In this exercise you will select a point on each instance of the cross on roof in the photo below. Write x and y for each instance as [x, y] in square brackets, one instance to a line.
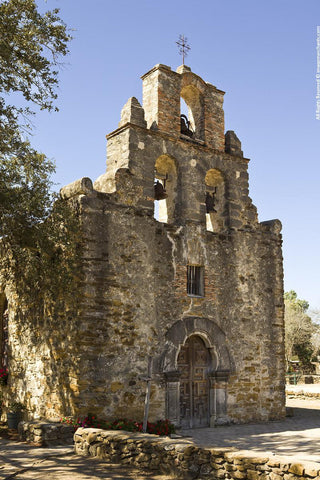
[183, 46]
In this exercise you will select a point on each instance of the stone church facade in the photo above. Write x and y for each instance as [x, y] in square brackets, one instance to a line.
[177, 269]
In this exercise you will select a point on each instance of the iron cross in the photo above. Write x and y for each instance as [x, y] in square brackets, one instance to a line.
[183, 46]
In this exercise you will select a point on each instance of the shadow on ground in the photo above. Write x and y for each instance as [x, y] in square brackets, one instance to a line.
[297, 436]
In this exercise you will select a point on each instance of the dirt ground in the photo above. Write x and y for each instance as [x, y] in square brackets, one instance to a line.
[297, 436]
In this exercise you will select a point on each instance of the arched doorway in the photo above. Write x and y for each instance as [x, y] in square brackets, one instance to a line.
[193, 364]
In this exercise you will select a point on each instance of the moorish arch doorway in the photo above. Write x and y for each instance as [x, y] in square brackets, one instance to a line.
[194, 364]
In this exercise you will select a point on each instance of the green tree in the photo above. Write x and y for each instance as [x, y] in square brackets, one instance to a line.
[34, 239]
[315, 317]
[31, 45]
[299, 330]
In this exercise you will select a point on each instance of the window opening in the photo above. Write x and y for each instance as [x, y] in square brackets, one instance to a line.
[192, 112]
[184, 110]
[185, 124]
[210, 199]
[165, 180]
[160, 187]
[160, 197]
[195, 283]
[215, 201]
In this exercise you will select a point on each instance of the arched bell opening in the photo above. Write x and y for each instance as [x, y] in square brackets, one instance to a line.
[165, 189]
[192, 112]
[215, 200]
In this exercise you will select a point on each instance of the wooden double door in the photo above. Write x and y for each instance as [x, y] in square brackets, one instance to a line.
[193, 363]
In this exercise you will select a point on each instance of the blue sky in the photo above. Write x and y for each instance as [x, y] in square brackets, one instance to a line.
[262, 54]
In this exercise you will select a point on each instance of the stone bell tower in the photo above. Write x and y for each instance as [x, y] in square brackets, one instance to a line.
[162, 90]
[176, 266]
[207, 275]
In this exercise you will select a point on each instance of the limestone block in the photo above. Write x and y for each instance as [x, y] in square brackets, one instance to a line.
[221, 473]
[205, 469]
[253, 475]
[132, 112]
[275, 476]
[290, 476]
[240, 475]
[311, 471]
[232, 144]
[296, 468]
[273, 226]
[83, 186]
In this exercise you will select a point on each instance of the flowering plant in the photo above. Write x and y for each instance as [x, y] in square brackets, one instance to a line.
[161, 427]
[3, 376]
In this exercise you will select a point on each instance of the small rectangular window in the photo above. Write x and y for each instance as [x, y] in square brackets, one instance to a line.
[195, 280]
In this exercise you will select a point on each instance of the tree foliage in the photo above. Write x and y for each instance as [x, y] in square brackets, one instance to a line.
[37, 248]
[31, 45]
[299, 330]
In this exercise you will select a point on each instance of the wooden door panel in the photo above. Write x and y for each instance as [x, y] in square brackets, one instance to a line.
[193, 362]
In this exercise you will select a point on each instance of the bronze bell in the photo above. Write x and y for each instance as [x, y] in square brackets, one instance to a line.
[210, 203]
[159, 191]
[185, 126]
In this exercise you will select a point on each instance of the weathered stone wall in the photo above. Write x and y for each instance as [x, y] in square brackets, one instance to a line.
[43, 365]
[133, 293]
[185, 460]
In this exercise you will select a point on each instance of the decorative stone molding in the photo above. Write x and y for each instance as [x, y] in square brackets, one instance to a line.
[83, 186]
[214, 339]
[211, 334]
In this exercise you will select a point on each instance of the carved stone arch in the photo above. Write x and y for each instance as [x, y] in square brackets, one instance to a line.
[218, 369]
[208, 330]
[190, 78]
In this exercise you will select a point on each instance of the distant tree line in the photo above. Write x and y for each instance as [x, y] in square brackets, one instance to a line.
[302, 333]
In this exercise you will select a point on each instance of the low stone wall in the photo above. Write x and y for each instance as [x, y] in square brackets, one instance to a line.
[46, 434]
[184, 460]
[303, 394]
